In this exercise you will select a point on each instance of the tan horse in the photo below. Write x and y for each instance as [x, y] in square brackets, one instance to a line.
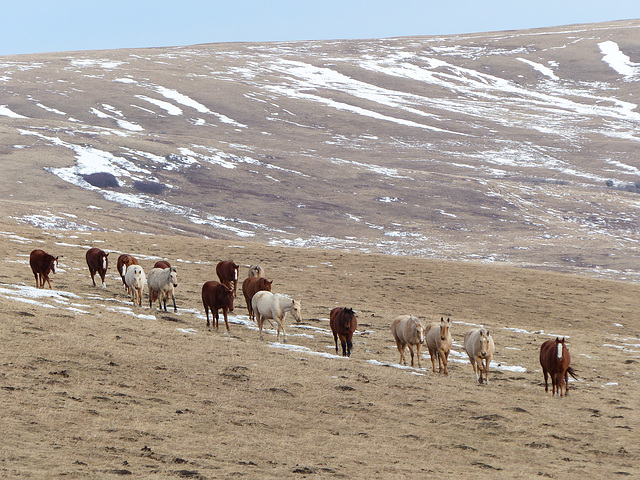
[408, 331]
[478, 343]
[439, 343]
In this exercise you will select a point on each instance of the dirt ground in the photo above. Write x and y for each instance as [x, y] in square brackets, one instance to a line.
[94, 388]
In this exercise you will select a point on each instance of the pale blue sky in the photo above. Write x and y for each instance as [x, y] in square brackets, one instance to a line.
[36, 26]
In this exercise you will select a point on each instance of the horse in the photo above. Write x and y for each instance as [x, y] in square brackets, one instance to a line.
[42, 264]
[478, 343]
[408, 331]
[267, 305]
[162, 264]
[255, 271]
[135, 280]
[227, 272]
[161, 283]
[556, 362]
[250, 286]
[343, 323]
[217, 296]
[98, 262]
[124, 261]
[439, 343]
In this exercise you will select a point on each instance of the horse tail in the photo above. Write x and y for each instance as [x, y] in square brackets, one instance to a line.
[572, 372]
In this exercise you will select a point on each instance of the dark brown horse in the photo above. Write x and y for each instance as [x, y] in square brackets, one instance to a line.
[556, 362]
[42, 264]
[216, 296]
[227, 272]
[250, 287]
[98, 262]
[343, 323]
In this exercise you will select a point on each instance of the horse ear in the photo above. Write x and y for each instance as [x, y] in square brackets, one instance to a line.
[106, 254]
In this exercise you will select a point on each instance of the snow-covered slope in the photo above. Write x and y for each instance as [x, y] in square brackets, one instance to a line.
[510, 146]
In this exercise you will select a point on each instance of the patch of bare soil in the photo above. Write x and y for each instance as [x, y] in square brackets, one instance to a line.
[92, 387]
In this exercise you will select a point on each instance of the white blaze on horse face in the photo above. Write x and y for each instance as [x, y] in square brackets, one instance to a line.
[104, 263]
[124, 269]
[559, 350]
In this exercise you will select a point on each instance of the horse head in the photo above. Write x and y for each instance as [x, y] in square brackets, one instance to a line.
[419, 329]
[560, 346]
[484, 343]
[296, 311]
[444, 328]
[53, 264]
[173, 275]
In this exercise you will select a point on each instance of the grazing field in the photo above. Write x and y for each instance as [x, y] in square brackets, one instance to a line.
[93, 387]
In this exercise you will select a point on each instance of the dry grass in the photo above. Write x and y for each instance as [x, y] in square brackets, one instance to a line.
[103, 394]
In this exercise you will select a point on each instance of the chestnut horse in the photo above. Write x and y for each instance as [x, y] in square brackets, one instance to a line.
[42, 264]
[98, 262]
[124, 262]
[343, 323]
[250, 287]
[556, 362]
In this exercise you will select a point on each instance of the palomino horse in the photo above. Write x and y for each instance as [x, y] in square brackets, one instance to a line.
[556, 362]
[478, 343]
[408, 331]
[439, 343]
[343, 323]
[267, 305]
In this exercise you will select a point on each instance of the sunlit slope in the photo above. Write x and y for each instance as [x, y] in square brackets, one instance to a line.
[511, 146]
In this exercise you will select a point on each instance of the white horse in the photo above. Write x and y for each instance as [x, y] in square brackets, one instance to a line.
[267, 305]
[135, 279]
[478, 344]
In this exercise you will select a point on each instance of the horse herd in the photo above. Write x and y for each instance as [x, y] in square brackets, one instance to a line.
[408, 331]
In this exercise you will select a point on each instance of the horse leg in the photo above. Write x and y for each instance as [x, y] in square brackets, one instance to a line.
[411, 352]
[419, 353]
[566, 382]
[432, 354]
[206, 311]
[260, 319]
[335, 339]
[400, 347]
[225, 310]
[280, 323]
[173, 297]
[444, 356]
[546, 383]
[473, 361]
[102, 275]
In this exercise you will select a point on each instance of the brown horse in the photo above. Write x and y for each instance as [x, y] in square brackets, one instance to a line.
[125, 261]
[98, 262]
[42, 264]
[250, 287]
[343, 323]
[227, 272]
[556, 362]
[216, 296]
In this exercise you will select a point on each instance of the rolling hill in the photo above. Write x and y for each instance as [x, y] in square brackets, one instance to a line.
[517, 147]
